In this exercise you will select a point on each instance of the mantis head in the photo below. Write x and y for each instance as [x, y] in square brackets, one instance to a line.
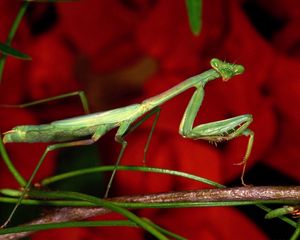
[225, 69]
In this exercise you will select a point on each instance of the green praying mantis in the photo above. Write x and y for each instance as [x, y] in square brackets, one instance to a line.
[87, 129]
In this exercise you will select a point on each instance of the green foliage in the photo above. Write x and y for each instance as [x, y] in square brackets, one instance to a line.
[194, 9]
[7, 50]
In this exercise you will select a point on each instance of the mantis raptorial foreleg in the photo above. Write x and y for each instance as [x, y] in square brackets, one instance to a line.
[217, 131]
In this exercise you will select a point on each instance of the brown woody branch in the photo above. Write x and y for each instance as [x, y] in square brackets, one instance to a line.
[263, 193]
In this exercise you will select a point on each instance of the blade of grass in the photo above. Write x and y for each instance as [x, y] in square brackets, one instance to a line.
[296, 234]
[19, 178]
[194, 9]
[163, 230]
[46, 226]
[63, 176]
[7, 50]
[12, 33]
[113, 207]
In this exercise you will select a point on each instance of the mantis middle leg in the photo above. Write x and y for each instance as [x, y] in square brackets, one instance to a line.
[126, 128]
[217, 131]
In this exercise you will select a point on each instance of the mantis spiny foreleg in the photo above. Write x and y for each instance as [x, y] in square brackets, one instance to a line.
[217, 131]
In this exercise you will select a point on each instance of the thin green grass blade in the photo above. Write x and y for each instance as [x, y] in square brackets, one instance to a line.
[113, 207]
[12, 33]
[53, 203]
[296, 234]
[194, 9]
[60, 177]
[163, 230]
[7, 50]
[10, 166]
[63, 176]
[105, 204]
[51, 195]
[59, 199]
[39, 227]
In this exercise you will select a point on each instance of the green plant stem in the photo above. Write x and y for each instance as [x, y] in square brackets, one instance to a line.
[296, 234]
[12, 33]
[80, 172]
[197, 198]
[146, 204]
[22, 231]
[200, 198]
[10, 166]
[113, 207]
[166, 232]
[37, 227]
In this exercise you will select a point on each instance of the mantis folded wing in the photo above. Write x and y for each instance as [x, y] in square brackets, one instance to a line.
[92, 127]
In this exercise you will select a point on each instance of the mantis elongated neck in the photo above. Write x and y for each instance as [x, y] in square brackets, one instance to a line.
[194, 81]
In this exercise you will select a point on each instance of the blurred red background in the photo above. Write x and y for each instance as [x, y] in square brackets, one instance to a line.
[123, 51]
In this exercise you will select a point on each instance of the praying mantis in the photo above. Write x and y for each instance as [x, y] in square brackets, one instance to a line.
[87, 129]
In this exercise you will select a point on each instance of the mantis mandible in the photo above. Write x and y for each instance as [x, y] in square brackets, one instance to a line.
[93, 126]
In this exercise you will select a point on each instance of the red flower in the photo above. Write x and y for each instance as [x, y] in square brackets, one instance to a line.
[111, 35]
[208, 223]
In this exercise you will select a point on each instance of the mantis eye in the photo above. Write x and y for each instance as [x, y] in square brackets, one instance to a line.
[238, 69]
[215, 63]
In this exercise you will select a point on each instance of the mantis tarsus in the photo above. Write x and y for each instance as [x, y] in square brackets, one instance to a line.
[93, 126]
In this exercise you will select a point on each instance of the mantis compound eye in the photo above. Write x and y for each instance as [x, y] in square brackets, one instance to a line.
[238, 69]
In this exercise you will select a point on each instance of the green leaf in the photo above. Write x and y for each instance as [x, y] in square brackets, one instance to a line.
[7, 50]
[194, 9]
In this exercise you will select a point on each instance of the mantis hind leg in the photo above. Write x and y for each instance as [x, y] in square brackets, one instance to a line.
[126, 128]
[81, 95]
[98, 134]
[19, 178]
[155, 111]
